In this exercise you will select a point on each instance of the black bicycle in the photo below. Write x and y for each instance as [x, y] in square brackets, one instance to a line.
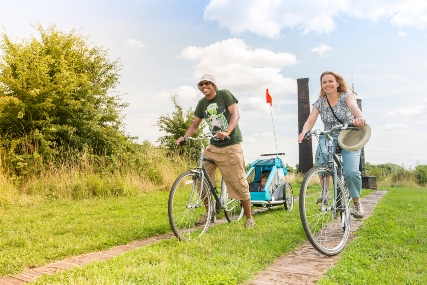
[324, 201]
[194, 202]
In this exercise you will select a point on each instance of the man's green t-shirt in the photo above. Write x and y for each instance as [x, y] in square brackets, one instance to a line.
[216, 114]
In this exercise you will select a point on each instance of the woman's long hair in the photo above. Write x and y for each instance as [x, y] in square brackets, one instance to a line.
[342, 85]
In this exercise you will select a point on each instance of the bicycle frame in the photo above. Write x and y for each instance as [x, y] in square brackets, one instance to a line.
[201, 170]
[334, 164]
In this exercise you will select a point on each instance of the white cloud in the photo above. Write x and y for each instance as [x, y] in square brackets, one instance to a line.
[393, 127]
[320, 49]
[401, 34]
[257, 104]
[268, 17]
[186, 94]
[242, 69]
[411, 13]
[134, 44]
[407, 112]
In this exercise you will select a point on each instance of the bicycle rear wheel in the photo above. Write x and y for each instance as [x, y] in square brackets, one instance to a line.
[189, 207]
[232, 208]
[326, 223]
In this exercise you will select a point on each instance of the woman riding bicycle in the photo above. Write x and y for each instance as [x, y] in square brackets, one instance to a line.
[336, 106]
[219, 109]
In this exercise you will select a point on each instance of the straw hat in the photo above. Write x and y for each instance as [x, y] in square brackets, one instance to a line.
[354, 139]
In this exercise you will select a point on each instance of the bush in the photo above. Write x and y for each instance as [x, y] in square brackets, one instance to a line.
[421, 174]
[401, 177]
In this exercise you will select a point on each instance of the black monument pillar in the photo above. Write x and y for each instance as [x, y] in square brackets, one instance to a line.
[362, 167]
[368, 182]
[305, 148]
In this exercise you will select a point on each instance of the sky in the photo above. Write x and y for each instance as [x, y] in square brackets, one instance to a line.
[165, 46]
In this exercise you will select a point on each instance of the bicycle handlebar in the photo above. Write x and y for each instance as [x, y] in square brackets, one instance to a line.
[185, 139]
[318, 132]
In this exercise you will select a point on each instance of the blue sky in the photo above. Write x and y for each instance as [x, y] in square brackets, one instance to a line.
[165, 46]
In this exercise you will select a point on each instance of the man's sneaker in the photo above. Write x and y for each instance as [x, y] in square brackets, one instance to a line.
[320, 199]
[204, 218]
[250, 223]
[357, 210]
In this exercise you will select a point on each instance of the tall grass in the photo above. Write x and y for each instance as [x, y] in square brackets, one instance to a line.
[29, 178]
[81, 175]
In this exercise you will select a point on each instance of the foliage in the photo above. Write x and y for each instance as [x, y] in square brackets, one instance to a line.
[290, 169]
[397, 176]
[421, 174]
[56, 92]
[83, 175]
[175, 125]
[383, 169]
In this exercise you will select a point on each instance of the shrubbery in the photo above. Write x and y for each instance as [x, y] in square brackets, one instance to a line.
[421, 174]
[396, 175]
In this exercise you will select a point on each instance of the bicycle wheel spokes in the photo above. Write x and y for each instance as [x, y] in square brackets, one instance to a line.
[327, 228]
[189, 207]
[232, 208]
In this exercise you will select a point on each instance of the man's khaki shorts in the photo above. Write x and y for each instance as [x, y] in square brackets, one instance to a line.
[231, 164]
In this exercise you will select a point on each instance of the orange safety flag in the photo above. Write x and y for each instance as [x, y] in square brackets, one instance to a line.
[268, 97]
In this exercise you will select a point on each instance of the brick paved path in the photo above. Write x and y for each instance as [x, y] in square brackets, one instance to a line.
[306, 265]
[302, 266]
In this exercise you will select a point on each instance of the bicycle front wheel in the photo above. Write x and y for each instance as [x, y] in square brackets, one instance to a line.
[326, 222]
[189, 207]
[232, 208]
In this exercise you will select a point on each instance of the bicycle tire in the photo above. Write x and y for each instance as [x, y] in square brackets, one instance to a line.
[186, 206]
[326, 226]
[233, 208]
[288, 195]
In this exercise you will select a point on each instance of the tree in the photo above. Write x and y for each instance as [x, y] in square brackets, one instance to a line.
[57, 90]
[175, 125]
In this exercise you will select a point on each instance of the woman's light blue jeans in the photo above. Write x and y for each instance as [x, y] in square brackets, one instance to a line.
[350, 161]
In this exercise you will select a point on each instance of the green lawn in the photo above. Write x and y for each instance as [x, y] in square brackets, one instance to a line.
[38, 235]
[390, 247]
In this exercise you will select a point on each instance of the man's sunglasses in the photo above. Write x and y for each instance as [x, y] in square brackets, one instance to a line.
[204, 83]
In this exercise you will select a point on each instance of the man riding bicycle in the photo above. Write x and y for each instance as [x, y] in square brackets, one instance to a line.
[219, 109]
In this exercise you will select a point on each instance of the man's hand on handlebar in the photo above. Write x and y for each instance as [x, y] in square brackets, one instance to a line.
[180, 141]
[222, 135]
[219, 135]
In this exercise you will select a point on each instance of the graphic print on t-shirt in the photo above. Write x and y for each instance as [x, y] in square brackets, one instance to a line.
[215, 118]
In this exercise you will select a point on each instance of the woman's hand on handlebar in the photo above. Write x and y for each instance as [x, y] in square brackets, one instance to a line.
[358, 122]
[301, 137]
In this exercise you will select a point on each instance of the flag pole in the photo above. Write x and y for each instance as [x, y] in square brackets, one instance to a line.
[270, 100]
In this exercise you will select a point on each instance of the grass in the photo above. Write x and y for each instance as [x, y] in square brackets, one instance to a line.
[32, 236]
[390, 247]
[227, 254]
